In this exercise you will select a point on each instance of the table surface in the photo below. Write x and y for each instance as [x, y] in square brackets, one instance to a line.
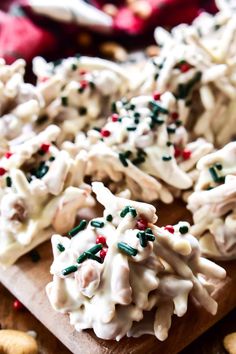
[209, 343]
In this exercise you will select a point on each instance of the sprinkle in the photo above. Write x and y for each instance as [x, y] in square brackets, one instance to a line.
[142, 238]
[103, 252]
[101, 239]
[2, 171]
[82, 225]
[82, 110]
[156, 96]
[95, 249]
[8, 181]
[171, 129]
[183, 230]
[186, 154]
[158, 109]
[73, 67]
[35, 256]
[125, 248]
[184, 67]
[131, 128]
[218, 166]
[159, 121]
[45, 147]
[137, 115]
[169, 143]
[178, 123]
[169, 228]
[60, 247]
[82, 258]
[114, 117]
[69, 270]
[128, 209]
[94, 257]
[166, 158]
[105, 133]
[92, 84]
[128, 154]
[138, 160]
[177, 152]
[136, 120]
[109, 217]
[132, 106]
[90, 253]
[97, 129]
[98, 224]
[184, 89]
[213, 174]
[51, 158]
[123, 160]
[174, 115]
[142, 224]
[8, 154]
[41, 172]
[113, 107]
[64, 101]
[17, 305]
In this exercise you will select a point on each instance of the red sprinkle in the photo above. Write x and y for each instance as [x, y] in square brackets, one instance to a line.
[84, 83]
[45, 147]
[82, 72]
[105, 133]
[184, 67]
[186, 154]
[17, 305]
[177, 152]
[2, 171]
[44, 79]
[174, 115]
[114, 117]
[142, 224]
[101, 239]
[8, 154]
[103, 253]
[169, 228]
[156, 96]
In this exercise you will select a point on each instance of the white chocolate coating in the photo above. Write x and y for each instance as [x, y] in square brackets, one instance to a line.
[44, 193]
[115, 297]
[213, 204]
[78, 92]
[197, 64]
[144, 133]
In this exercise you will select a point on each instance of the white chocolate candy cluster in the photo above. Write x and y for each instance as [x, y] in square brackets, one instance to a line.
[41, 191]
[144, 148]
[213, 204]
[78, 92]
[197, 64]
[122, 275]
[20, 102]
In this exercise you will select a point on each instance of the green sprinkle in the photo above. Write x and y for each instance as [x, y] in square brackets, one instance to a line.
[95, 223]
[8, 181]
[158, 109]
[169, 143]
[178, 123]
[138, 160]
[123, 160]
[60, 247]
[171, 129]
[64, 101]
[113, 107]
[141, 152]
[137, 114]
[213, 174]
[82, 110]
[109, 217]
[184, 89]
[221, 179]
[69, 270]
[128, 209]
[124, 212]
[42, 119]
[97, 129]
[42, 171]
[119, 120]
[128, 154]
[166, 158]
[183, 230]
[132, 106]
[81, 89]
[131, 128]
[92, 256]
[218, 166]
[216, 27]
[82, 225]
[74, 67]
[92, 84]
[52, 158]
[149, 230]
[125, 248]
[156, 76]
[159, 121]
[82, 258]
[142, 238]
[136, 120]
[95, 249]
[150, 237]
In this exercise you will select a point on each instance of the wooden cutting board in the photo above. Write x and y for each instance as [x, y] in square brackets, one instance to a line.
[27, 280]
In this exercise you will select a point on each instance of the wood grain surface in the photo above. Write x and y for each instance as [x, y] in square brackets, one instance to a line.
[27, 280]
